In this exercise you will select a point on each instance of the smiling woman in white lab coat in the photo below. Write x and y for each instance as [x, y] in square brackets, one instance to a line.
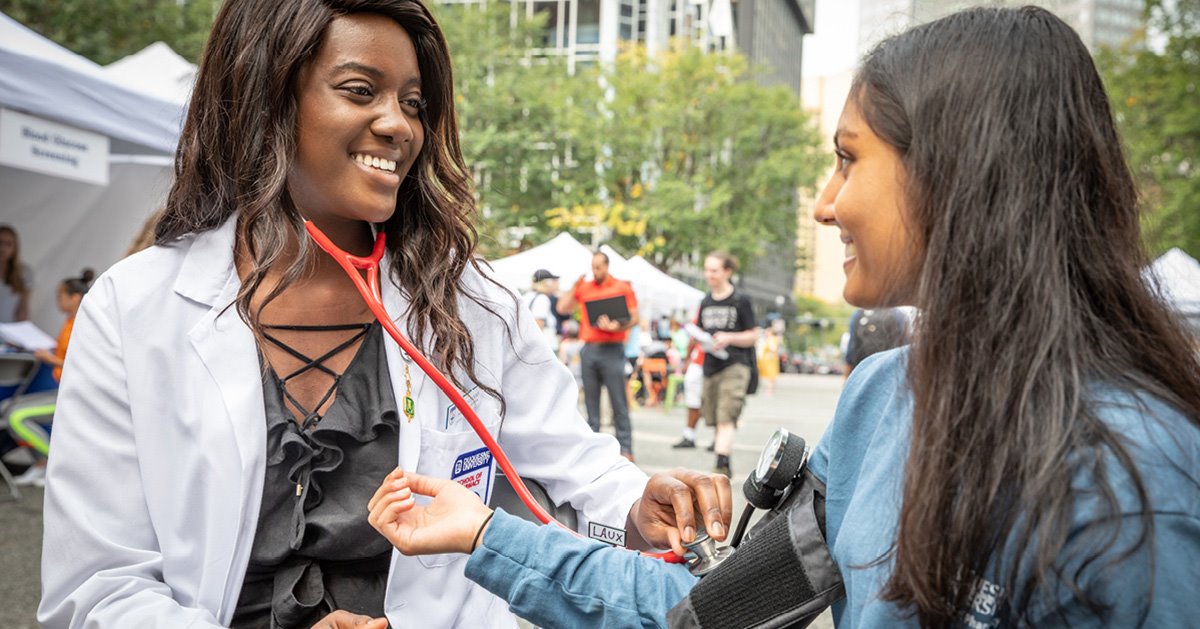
[229, 406]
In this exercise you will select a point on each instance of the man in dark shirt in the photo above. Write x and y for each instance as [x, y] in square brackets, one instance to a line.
[727, 316]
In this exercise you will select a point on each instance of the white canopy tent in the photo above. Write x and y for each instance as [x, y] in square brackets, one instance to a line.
[561, 255]
[156, 70]
[1178, 276]
[51, 97]
[658, 293]
[671, 295]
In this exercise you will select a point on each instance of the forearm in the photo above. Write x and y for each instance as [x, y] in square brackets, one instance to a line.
[745, 338]
[566, 303]
[51, 359]
[551, 578]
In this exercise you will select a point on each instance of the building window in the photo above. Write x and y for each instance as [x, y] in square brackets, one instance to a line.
[589, 22]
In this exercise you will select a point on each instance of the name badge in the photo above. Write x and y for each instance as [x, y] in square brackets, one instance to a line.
[451, 417]
[473, 470]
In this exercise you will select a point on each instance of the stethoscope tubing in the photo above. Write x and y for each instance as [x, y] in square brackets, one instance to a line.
[369, 289]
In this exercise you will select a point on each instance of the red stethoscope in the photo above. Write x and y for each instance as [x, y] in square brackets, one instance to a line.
[369, 289]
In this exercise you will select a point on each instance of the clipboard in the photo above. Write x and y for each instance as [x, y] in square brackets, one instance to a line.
[615, 307]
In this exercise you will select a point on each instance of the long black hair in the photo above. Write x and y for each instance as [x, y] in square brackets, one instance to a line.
[239, 141]
[1030, 291]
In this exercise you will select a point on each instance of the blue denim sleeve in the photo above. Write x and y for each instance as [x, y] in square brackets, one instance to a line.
[554, 579]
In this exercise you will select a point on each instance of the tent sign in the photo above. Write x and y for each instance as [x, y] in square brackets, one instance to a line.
[36, 144]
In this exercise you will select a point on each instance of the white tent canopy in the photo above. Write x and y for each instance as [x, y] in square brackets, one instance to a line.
[155, 70]
[657, 293]
[561, 255]
[671, 295]
[65, 224]
[1178, 277]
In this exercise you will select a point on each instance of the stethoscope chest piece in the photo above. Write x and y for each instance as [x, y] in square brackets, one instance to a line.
[703, 556]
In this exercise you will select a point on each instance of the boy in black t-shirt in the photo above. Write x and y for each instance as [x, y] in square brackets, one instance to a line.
[727, 316]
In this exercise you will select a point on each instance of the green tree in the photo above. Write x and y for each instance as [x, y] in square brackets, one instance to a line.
[818, 323]
[509, 104]
[107, 30]
[1155, 95]
[681, 152]
[666, 156]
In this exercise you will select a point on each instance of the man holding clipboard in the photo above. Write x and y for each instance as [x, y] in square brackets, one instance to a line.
[609, 309]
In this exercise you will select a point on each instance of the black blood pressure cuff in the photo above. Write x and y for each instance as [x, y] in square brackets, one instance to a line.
[780, 576]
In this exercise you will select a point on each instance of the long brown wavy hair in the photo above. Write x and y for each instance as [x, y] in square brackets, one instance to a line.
[239, 140]
[1031, 293]
[11, 274]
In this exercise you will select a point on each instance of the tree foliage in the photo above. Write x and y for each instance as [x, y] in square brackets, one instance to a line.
[107, 30]
[668, 156]
[1155, 93]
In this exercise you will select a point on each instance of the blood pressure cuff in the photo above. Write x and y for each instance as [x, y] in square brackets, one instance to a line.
[780, 576]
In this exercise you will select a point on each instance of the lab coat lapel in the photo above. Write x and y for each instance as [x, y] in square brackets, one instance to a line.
[226, 346]
[425, 397]
[228, 351]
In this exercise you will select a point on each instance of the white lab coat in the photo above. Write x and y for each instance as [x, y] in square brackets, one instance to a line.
[154, 489]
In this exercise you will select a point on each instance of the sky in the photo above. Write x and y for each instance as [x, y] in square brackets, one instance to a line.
[833, 45]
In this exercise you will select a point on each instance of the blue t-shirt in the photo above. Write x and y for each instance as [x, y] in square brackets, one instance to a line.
[861, 459]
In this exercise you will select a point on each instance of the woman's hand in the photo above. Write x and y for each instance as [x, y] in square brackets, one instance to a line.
[45, 356]
[345, 620]
[666, 514]
[446, 525]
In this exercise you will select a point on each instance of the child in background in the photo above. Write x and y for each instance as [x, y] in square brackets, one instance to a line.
[70, 295]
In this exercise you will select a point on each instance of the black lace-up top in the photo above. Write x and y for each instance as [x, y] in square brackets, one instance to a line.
[314, 551]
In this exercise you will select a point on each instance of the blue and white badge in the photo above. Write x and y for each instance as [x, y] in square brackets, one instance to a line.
[452, 415]
[473, 470]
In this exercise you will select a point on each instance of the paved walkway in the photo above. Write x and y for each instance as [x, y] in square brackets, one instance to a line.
[802, 404]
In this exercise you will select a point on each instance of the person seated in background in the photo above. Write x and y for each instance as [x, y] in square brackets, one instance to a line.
[69, 296]
[650, 373]
[16, 279]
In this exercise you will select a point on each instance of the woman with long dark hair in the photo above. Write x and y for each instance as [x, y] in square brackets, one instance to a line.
[1033, 458]
[1047, 415]
[229, 405]
[15, 278]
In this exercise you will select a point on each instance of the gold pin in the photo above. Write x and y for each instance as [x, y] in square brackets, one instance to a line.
[410, 407]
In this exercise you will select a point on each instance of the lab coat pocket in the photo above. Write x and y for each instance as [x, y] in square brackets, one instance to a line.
[459, 456]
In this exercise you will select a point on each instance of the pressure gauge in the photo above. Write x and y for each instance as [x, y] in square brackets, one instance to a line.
[781, 460]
